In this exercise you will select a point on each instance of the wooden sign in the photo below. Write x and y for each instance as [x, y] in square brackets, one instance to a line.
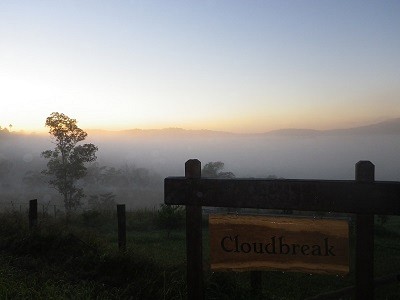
[243, 243]
[347, 196]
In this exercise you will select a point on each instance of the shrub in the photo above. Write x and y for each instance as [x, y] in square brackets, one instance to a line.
[170, 217]
[104, 203]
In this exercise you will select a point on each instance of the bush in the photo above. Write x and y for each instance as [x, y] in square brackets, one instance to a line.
[93, 218]
[170, 217]
[104, 203]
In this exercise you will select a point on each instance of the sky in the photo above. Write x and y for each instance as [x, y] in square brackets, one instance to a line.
[240, 66]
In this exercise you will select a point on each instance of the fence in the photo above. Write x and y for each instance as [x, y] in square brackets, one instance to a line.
[47, 209]
[23, 207]
[363, 197]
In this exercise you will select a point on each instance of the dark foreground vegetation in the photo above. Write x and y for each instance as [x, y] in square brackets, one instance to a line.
[78, 258]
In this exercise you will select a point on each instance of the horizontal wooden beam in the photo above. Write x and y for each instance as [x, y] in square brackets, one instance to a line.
[307, 195]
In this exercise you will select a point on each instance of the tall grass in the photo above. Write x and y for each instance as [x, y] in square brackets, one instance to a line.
[79, 259]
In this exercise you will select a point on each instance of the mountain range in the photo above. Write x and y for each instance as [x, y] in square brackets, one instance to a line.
[391, 126]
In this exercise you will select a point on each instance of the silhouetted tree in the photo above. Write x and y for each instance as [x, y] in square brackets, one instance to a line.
[4, 130]
[214, 170]
[66, 161]
[128, 175]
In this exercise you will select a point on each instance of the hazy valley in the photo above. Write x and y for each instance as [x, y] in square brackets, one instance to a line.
[132, 164]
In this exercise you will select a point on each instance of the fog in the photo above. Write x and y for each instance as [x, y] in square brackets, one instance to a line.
[318, 157]
[148, 158]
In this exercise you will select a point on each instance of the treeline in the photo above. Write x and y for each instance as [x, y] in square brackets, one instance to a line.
[127, 183]
[5, 130]
[21, 177]
[72, 176]
[127, 174]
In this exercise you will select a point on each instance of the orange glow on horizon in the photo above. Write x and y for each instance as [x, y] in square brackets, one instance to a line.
[236, 124]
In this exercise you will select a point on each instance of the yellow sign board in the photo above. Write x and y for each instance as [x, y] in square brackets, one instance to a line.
[243, 243]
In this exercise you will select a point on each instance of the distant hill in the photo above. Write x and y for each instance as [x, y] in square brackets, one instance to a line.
[165, 132]
[391, 126]
[294, 132]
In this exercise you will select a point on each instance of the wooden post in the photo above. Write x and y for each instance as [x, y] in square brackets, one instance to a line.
[194, 242]
[364, 260]
[33, 216]
[121, 227]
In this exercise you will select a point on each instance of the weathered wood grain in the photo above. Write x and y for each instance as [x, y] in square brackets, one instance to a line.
[194, 239]
[243, 243]
[305, 195]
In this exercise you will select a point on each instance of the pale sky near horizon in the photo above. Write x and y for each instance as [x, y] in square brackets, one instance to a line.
[241, 66]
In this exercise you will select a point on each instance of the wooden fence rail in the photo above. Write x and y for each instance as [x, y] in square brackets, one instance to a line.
[121, 218]
[363, 196]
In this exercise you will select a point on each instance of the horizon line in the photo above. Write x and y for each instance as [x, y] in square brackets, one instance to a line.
[172, 128]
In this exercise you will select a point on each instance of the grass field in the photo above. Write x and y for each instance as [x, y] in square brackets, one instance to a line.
[80, 260]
